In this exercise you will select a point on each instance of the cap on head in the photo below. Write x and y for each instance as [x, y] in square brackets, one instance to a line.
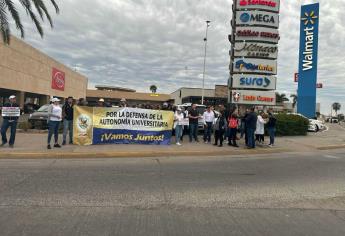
[12, 97]
[101, 100]
[179, 109]
[123, 100]
[165, 104]
[55, 100]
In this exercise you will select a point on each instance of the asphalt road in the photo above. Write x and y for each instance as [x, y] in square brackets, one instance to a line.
[280, 194]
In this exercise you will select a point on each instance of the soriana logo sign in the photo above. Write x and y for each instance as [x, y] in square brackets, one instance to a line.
[58, 79]
[270, 5]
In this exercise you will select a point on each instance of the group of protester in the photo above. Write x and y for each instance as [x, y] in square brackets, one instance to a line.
[226, 125]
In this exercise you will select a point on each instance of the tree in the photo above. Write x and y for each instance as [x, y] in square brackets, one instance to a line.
[7, 7]
[281, 98]
[336, 107]
[294, 100]
[153, 88]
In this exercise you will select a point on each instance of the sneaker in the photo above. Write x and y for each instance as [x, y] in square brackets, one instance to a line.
[49, 147]
[70, 142]
[178, 144]
[57, 145]
[236, 145]
[215, 144]
[220, 145]
[270, 145]
[64, 143]
[197, 140]
[206, 142]
[3, 144]
[11, 146]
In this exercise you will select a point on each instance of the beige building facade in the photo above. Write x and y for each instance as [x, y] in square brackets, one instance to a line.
[33, 76]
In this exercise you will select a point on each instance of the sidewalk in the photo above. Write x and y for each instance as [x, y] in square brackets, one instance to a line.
[33, 145]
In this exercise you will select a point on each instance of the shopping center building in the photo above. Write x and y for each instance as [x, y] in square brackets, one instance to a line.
[35, 77]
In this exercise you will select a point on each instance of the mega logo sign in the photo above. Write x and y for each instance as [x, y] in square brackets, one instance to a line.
[262, 82]
[261, 66]
[253, 97]
[271, 5]
[58, 79]
[309, 33]
[252, 49]
[257, 34]
[257, 18]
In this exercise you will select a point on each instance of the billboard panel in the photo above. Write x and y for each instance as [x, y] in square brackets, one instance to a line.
[308, 54]
[270, 5]
[259, 18]
[249, 65]
[252, 49]
[257, 34]
[252, 97]
[260, 82]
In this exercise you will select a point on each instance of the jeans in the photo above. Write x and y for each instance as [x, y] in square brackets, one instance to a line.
[251, 138]
[271, 133]
[5, 125]
[68, 127]
[178, 133]
[193, 131]
[232, 137]
[219, 135]
[208, 131]
[53, 129]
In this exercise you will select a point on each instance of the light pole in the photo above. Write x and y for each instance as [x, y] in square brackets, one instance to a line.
[203, 76]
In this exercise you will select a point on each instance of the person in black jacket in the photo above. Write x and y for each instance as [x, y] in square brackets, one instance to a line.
[9, 121]
[251, 120]
[67, 114]
[271, 127]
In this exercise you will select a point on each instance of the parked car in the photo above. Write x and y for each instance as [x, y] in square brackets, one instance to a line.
[315, 125]
[334, 120]
[39, 119]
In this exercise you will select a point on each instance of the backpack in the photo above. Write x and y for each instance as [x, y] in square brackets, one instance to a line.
[233, 123]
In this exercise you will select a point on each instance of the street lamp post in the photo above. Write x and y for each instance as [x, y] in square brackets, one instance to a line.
[203, 77]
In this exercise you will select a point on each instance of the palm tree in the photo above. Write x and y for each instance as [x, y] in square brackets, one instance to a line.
[336, 107]
[294, 100]
[153, 88]
[281, 98]
[7, 7]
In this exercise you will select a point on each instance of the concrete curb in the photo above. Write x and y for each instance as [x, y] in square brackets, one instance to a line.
[81, 155]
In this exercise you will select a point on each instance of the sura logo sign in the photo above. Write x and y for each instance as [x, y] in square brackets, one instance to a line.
[260, 82]
[259, 18]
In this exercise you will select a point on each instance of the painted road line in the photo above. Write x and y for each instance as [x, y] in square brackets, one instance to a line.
[331, 157]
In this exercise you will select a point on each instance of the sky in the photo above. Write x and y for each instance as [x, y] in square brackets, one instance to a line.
[137, 43]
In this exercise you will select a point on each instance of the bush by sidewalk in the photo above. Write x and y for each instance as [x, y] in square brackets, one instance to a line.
[291, 125]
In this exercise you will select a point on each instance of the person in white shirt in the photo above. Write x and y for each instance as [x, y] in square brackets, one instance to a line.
[209, 118]
[260, 128]
[54, 120]
[178, 125]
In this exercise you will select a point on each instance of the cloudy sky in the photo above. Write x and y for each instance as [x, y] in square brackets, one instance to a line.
[137, 43]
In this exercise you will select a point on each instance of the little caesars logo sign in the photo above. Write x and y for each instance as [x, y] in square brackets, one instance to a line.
[256, 50]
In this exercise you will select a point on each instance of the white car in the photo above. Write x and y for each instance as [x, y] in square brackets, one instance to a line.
[315, 125]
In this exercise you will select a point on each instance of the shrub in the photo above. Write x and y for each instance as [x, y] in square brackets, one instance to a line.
[24, 126]
[291, 125]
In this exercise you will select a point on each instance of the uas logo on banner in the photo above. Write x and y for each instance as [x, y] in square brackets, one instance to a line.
[308, 55]
[100, 125]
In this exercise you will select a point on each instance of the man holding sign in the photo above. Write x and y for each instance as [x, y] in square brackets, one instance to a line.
[10, 115]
